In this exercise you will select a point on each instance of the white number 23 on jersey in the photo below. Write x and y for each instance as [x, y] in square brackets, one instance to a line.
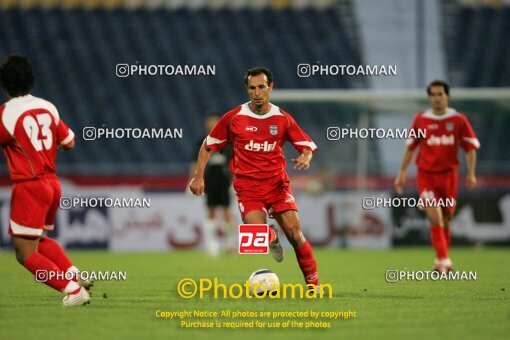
[42, 125]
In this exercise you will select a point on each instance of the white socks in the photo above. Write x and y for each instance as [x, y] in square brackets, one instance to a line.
[211, 242]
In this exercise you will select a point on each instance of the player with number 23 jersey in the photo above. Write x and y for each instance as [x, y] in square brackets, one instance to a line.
[30, 131]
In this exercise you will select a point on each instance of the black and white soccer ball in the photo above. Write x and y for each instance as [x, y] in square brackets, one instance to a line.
[264, 280]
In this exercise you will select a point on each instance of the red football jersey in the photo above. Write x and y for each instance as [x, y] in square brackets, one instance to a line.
[443, 136]
[258, 140]
[30, 130]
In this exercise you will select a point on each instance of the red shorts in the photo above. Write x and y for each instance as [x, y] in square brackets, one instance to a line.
[33, 205]
[271, 195]
[441, 186]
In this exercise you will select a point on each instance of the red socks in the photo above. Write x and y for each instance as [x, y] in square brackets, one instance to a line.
[304, 255]
[272, 235]
[47, 272]
[439, 242]
[54, 252]
[50, 264]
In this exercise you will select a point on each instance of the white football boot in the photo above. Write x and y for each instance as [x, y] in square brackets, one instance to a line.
[275, 247]
[82, 281]
[443, 266]
[85, 283]
[77, 299]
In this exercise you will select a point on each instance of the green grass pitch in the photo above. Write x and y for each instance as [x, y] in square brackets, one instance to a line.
[417, 309]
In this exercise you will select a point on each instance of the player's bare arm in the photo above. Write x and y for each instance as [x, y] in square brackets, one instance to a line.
[192, 169]
[401, 176]
[471, 181]
[67, 147]
[303, 161]
[197, 184]
[191, 174]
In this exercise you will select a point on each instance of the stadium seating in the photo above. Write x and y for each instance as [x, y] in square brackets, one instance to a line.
[478, 55]
[478, 52]
[75, 51]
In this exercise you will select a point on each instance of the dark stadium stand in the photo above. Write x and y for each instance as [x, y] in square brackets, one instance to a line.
[74, 52]
[478, 55]
[476, 42]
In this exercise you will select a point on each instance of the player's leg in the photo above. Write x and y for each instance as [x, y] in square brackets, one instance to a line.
[251, 202]
[449, 192]
[228, 229]
[211, 243]
[43, 268]
[224, 205]
[280, 199]
[435, 217]
[30, 203]
[255, 217]
[49, 247]
[447, 219]
[427, 184]
[260, 217]
[52, 250]
[289, 222]
[24, 246]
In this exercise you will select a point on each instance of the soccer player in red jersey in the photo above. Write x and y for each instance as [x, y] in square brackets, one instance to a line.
[31, 131]
[437, 163]
[258, 130]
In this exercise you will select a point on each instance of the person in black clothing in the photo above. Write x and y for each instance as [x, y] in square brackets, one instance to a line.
[218, 179]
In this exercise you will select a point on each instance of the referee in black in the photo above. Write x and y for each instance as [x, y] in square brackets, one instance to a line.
[218, 179]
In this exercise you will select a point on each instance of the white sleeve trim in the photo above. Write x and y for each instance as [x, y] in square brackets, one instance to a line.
[211, 140]
[473, 141]
[69, 138]
[311, 145]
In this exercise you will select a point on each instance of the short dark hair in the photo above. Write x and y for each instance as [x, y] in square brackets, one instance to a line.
[16, 76]
[442, 83]
[256, 71]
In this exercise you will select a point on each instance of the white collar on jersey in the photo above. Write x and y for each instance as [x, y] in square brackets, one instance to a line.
[448, 114]
[25, 97]
[273, 111]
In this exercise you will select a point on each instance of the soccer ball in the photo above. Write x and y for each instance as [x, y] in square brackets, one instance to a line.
[264, 280]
